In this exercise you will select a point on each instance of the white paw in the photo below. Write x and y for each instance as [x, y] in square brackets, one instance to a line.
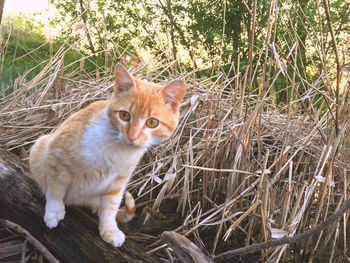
[115, 237]
[52, 217]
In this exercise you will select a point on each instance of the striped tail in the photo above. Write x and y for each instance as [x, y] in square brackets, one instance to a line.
[127, 213]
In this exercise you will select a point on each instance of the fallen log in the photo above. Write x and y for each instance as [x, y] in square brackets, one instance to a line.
[76, 239]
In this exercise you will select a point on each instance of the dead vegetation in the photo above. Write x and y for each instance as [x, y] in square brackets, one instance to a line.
[239, 170]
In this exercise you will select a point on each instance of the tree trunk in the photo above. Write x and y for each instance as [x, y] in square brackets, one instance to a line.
[2, 3]
[172, 35]
[84, 18]
[76, 239]
[236, 30]
[181, 34]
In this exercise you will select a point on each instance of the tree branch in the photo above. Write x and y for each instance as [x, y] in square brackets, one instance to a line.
[285, 240]
[32, 240]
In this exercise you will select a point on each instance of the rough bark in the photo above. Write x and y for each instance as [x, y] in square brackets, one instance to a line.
[76, 239]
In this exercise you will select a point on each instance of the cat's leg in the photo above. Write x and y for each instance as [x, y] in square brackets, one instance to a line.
[57, 185]
[94, 204]
[110, 203]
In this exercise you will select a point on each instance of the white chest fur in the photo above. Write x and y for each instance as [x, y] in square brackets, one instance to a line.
[105, 157]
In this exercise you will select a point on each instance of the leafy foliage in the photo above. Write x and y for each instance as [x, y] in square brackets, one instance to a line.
[266, 36]
[207, 29]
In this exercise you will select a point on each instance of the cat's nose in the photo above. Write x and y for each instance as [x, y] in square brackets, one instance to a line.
[133, 135]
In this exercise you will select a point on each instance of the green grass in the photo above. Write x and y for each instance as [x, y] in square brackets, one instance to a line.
[26, 50]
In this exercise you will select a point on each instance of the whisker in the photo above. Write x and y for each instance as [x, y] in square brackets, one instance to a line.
[105, 148]
[114, 131]
[105, 139]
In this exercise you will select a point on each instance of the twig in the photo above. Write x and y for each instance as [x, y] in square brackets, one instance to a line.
[32, 240]
[285, 240]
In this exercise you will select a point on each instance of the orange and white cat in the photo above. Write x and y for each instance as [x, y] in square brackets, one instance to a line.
[89, 159]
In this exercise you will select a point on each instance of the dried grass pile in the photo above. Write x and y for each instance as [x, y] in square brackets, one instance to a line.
[239, 169]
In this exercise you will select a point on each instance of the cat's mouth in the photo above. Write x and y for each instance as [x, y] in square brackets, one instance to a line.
[136, 144]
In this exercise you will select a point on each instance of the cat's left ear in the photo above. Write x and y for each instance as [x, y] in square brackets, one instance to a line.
[174, 92]
[124, 81]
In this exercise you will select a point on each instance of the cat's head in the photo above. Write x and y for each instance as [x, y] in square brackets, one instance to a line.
[144, 113]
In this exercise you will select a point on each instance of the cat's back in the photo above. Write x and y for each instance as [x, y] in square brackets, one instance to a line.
[64, 142]
[71, 130]
[80, 119]
[62, 150]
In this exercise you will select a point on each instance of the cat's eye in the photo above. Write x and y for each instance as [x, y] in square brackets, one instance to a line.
[152, 123]
[124, 115]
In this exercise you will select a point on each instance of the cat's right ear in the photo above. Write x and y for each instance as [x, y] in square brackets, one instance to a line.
[124, 81]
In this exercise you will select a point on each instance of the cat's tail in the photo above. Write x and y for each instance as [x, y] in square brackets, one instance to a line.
[127, 213]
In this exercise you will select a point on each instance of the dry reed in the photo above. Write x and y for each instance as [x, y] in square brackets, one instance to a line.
[239, 169]
[232, 175]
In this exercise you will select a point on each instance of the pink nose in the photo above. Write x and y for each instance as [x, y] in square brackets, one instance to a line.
[133, 135]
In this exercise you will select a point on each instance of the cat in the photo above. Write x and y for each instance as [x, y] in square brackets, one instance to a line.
[89, 159]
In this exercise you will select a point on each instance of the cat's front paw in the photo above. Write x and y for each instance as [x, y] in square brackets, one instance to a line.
[115, 237]
[53, 216]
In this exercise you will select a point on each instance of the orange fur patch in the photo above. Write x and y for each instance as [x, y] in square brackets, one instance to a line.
[131, 210]
[120, 179]
[113, 191]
